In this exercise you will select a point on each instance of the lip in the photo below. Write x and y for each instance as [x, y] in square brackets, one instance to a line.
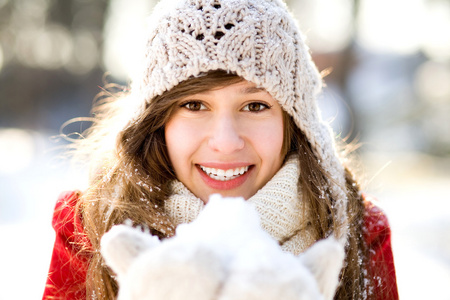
[224, 165]
[224, 185]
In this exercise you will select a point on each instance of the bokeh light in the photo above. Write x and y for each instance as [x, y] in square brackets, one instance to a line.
[48, 48]
[85, 54]
[124, 33]
[327, 24]
[436, 31]
[432, 82]
[17, 150]
[391, 25]
[29, 13]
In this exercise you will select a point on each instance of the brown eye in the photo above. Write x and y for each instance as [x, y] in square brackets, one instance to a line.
[255, 107]
[193, 105]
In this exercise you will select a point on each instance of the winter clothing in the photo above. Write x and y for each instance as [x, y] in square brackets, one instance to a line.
[213, 257]
[69, 264]
[279, 204]
[67, 275]
[255, 39]
[259, 41]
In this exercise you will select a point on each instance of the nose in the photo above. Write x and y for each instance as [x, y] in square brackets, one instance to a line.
[225, 136]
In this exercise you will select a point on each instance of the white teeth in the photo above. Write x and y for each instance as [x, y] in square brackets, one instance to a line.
[224, 175]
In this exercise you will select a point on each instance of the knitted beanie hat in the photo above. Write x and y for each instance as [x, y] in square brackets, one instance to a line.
[255, 39]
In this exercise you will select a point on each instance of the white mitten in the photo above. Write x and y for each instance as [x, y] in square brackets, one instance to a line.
[222, 255]
[170, 271]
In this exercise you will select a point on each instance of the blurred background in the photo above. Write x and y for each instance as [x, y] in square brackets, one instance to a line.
[388, 87]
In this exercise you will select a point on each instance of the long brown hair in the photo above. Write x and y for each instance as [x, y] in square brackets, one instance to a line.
[130, 181]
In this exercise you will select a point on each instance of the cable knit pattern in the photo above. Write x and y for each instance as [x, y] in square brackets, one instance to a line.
[256, 39]
[182, 206]
[279, 204]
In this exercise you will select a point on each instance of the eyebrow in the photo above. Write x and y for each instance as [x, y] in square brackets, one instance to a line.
[252, 90]
[244, 90]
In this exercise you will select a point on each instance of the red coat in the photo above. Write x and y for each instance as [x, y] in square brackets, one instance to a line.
[67, 274]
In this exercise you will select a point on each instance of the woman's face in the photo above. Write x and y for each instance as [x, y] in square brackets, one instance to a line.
[227, 140]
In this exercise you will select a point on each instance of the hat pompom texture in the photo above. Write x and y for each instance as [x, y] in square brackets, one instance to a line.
[258, 40]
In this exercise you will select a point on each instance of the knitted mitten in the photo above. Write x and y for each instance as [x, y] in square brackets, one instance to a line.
[223, 255]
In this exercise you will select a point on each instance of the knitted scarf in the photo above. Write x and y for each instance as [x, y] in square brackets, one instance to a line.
[279, 203]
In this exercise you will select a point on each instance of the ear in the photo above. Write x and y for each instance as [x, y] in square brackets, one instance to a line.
[122, 244]
[324, 260]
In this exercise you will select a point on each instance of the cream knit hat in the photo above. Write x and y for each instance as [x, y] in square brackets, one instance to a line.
[256, 39]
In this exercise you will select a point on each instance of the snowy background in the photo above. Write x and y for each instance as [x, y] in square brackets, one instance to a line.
[389, 87]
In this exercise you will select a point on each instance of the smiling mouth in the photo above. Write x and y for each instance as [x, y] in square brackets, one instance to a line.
[224, 175]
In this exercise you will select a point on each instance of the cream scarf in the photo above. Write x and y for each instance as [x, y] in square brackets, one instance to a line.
[279, 203]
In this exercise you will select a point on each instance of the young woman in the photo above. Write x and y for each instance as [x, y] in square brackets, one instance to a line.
[225, 103]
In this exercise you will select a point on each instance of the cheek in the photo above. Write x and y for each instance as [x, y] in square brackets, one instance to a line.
[183, 140]
[178, 142]
[267, 138]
